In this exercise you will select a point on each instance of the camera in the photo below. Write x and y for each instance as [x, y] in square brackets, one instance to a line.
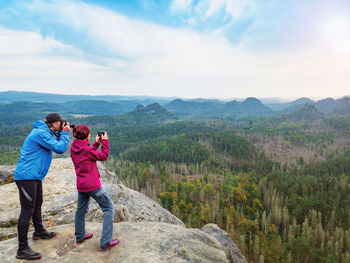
[100, 133]
[63, 124]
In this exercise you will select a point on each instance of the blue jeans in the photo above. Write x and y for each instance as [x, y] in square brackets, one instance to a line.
[107, 206]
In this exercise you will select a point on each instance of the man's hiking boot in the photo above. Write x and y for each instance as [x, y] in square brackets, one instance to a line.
[87, 236]
[113, 243]
[28, 254]
[43, 235]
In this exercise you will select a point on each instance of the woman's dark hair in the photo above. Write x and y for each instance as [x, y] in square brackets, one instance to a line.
[81, 132]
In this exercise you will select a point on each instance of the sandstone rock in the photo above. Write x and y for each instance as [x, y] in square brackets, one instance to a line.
[8, 232]
[148, 232]
[231, 250]
[122, 213]
[142, 208]
[6, 171]
[60, 197]
[145, 242]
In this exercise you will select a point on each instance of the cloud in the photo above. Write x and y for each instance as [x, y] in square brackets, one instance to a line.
[137, 57]
[181, 6]
[236, 8]
[28, 54]
[24, 42]
[108, 32]
[203, 10]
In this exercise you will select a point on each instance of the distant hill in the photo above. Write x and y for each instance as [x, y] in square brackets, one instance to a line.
[194, 108]
[25, 112]
[153, 109]
[15, 96]
[150, 114]
[206, 100]
[289, 106]
[308, 113]
[100, 107]
[272, 100]
[217, 109]
[327, 105]
[26, 107]
[331, 106]
[342, 106]
[153, 113]
[248, 106]
[32, 104]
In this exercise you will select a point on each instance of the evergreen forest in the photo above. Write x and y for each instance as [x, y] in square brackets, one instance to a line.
[279, 184]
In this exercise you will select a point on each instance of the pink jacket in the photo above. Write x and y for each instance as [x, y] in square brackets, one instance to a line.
[84, 158]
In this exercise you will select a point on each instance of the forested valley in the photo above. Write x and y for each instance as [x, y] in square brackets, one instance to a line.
[279, 185]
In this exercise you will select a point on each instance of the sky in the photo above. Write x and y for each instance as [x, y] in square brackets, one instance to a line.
[177, 48]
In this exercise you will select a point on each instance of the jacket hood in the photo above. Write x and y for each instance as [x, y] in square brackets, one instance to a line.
[40, 124]
[78, 145]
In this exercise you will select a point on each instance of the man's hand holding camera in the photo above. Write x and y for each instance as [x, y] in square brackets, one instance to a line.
[66, 127]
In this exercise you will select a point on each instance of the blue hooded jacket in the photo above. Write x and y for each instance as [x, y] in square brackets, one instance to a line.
[36, 153]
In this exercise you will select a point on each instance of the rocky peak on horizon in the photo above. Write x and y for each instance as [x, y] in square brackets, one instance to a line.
[252, 100]
[149, 109]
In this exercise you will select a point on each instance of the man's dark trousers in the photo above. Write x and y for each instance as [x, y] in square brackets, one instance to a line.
[31, 198]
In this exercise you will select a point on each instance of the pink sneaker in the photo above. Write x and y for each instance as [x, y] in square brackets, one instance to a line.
[87, 236]
[113, 243]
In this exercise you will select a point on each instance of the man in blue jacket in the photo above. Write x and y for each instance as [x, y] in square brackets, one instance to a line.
[50, 135]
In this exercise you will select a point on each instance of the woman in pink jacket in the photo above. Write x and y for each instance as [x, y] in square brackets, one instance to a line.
[84, 158]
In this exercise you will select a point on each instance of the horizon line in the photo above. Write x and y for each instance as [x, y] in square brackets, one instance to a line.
[285, 99]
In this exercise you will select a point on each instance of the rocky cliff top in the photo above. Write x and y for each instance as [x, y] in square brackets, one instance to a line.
[147, 232]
